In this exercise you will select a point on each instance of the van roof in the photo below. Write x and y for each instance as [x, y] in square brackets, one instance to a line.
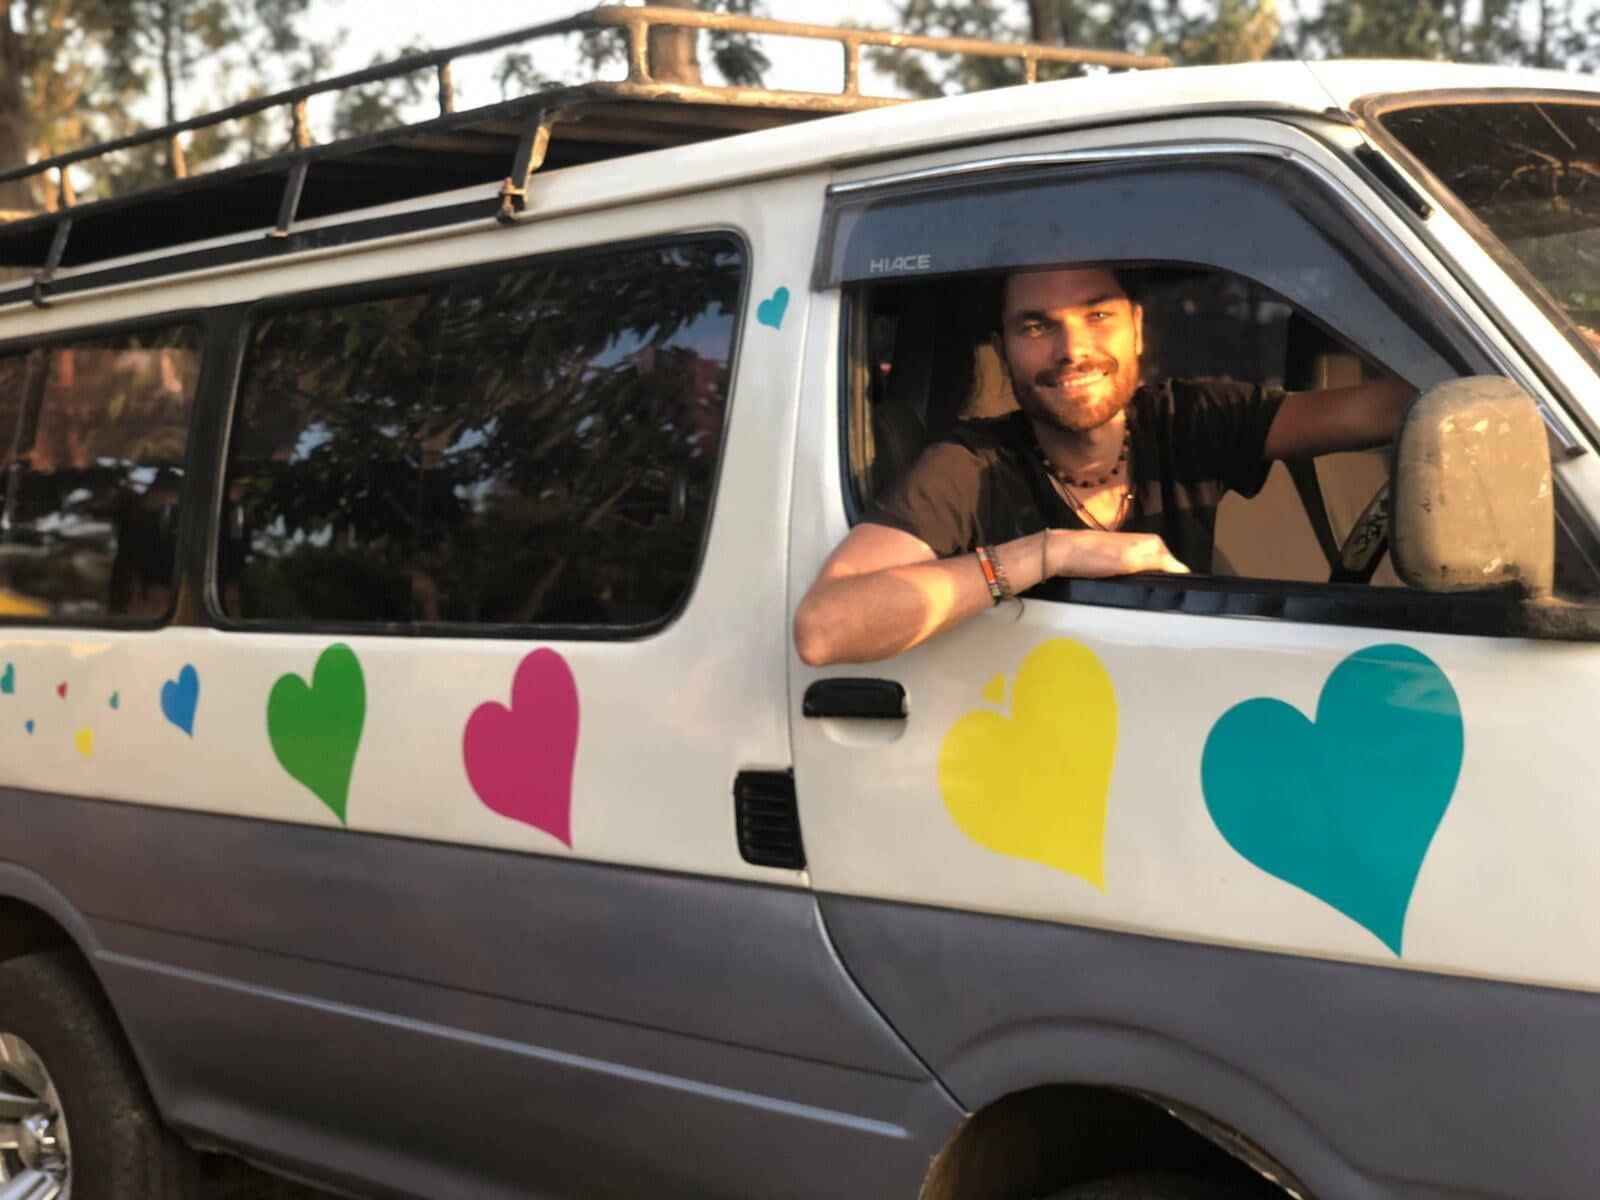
[164, 232]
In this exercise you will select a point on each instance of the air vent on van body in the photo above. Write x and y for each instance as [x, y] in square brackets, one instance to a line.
[767, 819]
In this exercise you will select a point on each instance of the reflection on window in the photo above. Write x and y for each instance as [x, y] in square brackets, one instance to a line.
[531, 447]
[93, 436]
[1531, 173]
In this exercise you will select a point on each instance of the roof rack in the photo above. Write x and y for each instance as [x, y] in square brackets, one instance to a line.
[559, 126]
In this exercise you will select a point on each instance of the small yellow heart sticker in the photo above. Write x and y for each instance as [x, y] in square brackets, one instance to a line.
[84, 741]
[1035, 785]
[995, 690]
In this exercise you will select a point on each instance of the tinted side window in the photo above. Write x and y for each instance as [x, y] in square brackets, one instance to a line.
[93, 435]
[322, 497]
[531, 447]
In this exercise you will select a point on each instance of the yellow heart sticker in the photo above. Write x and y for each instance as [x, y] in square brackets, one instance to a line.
[1035, 785]
[84, 741]
[995, 690]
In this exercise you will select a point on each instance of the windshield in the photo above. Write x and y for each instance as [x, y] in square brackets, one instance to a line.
[1530, 171]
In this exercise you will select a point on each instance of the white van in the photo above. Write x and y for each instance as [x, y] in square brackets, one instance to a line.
[410, 782]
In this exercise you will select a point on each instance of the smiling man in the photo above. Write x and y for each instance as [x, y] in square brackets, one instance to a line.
[1093, 476]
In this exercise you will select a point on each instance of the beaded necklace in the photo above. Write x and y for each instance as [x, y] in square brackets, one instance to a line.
[1064, 483]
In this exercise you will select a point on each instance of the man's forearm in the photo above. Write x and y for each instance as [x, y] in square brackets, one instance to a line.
[1332, 419]
[862, 618]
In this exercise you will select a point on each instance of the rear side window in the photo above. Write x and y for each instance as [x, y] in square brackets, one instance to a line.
[93, 434]
[534, 446]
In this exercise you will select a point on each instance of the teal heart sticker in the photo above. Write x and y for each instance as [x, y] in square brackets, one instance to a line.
[770, 311]
[1343, 808]
[315, 729]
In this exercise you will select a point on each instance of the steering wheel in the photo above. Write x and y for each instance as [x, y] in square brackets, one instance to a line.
[1365, 545]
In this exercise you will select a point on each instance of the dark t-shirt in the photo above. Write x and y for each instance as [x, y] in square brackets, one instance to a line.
[1189, 443]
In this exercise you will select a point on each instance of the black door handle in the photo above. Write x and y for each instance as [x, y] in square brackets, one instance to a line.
[862, 699]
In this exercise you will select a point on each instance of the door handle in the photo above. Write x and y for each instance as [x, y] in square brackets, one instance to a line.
[860, 699]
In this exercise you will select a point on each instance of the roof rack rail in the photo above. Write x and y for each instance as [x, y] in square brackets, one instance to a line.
[455, 149]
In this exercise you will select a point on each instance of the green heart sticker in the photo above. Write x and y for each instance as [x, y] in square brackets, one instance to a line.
[316, 729]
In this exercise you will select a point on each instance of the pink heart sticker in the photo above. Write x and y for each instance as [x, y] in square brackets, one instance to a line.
[519, 759]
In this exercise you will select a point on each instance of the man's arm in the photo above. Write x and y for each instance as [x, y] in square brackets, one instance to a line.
[884, 591]
[1346, 418]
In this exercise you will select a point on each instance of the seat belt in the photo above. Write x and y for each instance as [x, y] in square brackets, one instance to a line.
[1303, 471]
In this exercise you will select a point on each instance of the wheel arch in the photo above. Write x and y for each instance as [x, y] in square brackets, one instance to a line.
[1102, 1080]
[36, 916]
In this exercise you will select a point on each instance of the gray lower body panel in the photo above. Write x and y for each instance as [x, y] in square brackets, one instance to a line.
[1363, 1081]
[435, 1020]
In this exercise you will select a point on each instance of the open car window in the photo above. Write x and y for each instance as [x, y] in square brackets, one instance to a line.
[1248, 270]
[929, 362]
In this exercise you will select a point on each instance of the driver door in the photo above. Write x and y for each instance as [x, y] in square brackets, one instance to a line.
[1280, 769]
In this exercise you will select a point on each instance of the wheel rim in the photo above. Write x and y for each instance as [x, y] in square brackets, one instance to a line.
[34, 1149]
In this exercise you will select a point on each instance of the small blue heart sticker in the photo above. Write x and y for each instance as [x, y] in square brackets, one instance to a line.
[1344, 808]
[8, 681]
[28, 725]
[116, 699]
[770, 311]
[180, 697]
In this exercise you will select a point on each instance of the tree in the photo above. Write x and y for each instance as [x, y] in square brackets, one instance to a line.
[1239, 30]
[674, 53]
[14, 127]
[1551, 33]
[1545, 33]
[1242, 31]
[76, 71]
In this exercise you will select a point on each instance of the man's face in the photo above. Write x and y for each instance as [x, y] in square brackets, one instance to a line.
[1071, 339]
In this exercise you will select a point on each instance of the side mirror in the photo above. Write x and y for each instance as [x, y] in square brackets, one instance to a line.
[1473, 505]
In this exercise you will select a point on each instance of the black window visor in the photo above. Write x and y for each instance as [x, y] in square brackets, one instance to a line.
[1255, 217]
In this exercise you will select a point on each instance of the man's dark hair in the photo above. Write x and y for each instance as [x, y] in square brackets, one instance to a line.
[994, 303]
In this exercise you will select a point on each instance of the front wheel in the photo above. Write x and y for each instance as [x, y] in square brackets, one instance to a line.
[76, 1122]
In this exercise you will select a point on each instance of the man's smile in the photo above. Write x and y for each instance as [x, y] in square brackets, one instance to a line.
[1075, 381]
[1078, 381]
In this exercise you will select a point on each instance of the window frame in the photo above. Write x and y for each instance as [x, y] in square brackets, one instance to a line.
[1498, 613]
[246, 317]
[196, 469]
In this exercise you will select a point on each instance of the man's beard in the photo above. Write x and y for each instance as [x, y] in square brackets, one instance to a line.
[1043, 399]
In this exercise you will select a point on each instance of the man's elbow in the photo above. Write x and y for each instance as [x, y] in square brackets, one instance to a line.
[812, 640]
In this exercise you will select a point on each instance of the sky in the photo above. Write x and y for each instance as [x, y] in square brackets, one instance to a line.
[377, 26]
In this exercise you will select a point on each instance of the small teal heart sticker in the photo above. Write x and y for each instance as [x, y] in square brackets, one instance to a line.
[1346, 807]
[770, 311]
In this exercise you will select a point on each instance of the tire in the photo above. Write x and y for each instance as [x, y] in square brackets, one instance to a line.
[114, 1146]
[1158, 1186]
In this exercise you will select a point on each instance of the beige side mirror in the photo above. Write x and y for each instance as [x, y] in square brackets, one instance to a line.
[1473, 505]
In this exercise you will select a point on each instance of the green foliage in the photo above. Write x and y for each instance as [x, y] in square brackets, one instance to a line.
[91, 69]
[384, 104]
[738, 58]
[1556, 33]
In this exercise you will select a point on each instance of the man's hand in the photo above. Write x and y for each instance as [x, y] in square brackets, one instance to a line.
[1092, 554]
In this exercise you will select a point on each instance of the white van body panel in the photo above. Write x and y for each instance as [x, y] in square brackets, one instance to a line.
[666, 720]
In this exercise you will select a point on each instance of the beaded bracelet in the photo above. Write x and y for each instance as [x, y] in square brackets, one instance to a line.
[991, 577]
[1006, 590]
